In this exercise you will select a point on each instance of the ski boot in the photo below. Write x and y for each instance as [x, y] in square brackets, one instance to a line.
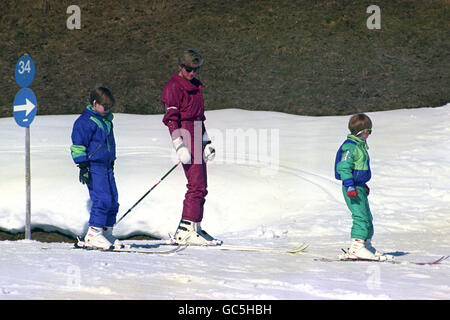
[358, 250]
[368, 245]
[94, 239]
[191, 233]
[117, 244]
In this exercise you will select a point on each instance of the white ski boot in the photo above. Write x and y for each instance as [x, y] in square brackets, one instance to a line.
[368, 245]
[107, 233]
[95, 239]
[358, 250]
[191, 233]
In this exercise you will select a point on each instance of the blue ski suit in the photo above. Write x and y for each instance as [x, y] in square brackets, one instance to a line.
[93, 142]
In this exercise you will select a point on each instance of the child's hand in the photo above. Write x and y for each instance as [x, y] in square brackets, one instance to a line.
[352, 192]
[85, 174]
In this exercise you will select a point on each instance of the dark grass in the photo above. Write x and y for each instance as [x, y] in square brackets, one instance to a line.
[41, 235]
[302, 57]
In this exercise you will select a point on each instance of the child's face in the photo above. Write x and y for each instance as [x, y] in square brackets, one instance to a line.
[102, 110]
[365, 134]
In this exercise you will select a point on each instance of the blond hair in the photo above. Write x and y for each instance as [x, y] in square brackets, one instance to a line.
[190, 58]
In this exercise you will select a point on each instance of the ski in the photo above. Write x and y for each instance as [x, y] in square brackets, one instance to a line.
[129, 249]
[225, 247]
[136, 250]
[298, 249]
[433, 262]
[148, 251]
[177, 248]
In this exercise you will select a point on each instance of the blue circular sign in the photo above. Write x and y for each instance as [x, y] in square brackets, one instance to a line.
[25, 107]
[25, 71]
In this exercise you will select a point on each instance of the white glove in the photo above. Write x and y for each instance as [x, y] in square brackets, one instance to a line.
[209, 153]
[182, 151]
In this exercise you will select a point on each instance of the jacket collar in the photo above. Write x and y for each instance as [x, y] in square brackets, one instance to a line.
[187, 85]
[358, 141]
[109, 116]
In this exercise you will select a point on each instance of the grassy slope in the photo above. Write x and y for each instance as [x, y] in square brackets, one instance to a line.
[302, 57]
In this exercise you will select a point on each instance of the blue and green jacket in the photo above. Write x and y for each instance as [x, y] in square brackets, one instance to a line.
[353, 163]
[93, 138]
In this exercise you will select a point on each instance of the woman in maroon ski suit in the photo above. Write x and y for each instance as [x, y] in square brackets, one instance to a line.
[183, 102]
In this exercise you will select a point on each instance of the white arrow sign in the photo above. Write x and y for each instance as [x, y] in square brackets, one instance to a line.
[25, 100]
[28, 107]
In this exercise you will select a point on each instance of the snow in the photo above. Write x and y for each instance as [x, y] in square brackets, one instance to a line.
[271, 185]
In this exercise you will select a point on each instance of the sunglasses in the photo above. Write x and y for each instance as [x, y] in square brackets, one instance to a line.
[369, 131]
[190, 69]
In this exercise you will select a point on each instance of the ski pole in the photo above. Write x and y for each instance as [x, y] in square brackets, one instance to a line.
[150, 190]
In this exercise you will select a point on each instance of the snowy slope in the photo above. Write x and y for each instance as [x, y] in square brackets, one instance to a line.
[271, 184]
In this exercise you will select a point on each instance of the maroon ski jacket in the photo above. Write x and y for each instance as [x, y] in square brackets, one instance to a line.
[183, 101]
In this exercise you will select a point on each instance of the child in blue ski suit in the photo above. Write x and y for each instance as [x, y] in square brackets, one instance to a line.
[94, 151]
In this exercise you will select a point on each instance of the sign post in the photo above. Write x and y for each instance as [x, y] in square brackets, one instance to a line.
[27, 184]
[24, 110]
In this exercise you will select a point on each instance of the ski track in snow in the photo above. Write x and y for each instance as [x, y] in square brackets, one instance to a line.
[298, 202]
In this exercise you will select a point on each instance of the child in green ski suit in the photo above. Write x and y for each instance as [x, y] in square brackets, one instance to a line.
[352, 166]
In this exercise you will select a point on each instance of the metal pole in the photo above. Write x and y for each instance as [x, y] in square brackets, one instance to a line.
[28, 184]
[129, 210]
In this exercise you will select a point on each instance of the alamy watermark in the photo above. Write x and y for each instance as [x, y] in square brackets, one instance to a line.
[374, 20]
[258, 147]
[73, 277]
[249, 146]
[74, 20]
[373, 281]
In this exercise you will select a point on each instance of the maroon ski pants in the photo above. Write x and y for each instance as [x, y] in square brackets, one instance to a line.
[196, 191]
[192, 132]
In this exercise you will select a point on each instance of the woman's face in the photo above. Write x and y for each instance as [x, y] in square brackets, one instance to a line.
[187, 73]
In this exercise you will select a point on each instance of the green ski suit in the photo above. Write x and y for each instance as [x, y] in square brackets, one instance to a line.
[354, 170]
